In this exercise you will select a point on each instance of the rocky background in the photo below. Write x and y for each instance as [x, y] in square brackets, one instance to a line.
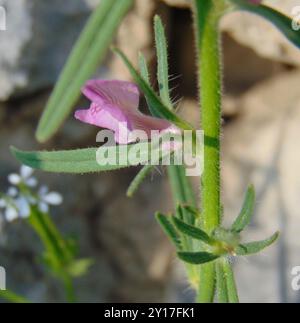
[133, 260]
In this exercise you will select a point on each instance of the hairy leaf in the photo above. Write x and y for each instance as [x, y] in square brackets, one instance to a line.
[246, 213]
[169, 229]
[197, 258]
[247, 249]
[82, 160]
[192, 231]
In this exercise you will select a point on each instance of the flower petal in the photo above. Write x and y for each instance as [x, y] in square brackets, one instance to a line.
[31, 182]
[12, 192]
[26, 171]
[23, 206]
[108, 117]
[53, 198]
[119, 93]
[147, 123]
[14, 179]
[11, 214]
[43, 207]
[43, 191]
[115, 107]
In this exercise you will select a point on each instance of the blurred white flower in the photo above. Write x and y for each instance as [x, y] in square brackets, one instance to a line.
[18, 200]
[25, 177]
[47, 198]
[15, 208]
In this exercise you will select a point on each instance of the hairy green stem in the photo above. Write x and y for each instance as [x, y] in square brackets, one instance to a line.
[207, 15]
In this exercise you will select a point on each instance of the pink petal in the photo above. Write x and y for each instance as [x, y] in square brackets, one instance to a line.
[120, 93]
[108, 117]
[115, 107]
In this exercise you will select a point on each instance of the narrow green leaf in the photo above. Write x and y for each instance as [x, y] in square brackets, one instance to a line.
[13, 297]
[87, 55]
[82, 160]
[197, 258]
[140, 177]
[246, 213]
[179, 213]
[221, 285]
[160, 109]
[169, 229]
[142, 174]
[233, 297]
[281, 21]
[192, 231]
[181, 187]
[247, 249]
[162, 62]
[192, 210]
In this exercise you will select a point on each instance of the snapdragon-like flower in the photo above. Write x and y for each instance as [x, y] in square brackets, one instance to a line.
[115, 105]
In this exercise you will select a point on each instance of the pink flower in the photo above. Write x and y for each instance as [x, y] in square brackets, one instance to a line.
[115, 106]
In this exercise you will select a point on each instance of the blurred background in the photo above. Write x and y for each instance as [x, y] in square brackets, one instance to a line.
[133, 260]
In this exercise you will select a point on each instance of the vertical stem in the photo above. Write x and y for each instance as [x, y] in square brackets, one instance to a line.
[69, 289]
[210, 84]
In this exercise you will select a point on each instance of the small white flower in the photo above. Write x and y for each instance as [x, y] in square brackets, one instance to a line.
[15, 209]
[25, 177]
[48, 198]
[11, 213]
[12, 192]
[23, 206]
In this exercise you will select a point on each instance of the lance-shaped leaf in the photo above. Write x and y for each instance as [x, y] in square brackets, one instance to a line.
[142, 174]
[221, 286]
[192, 210]
[169, 229]
[88, 53]
[197, 258]
[252, 248]
[225, 283]
[82, 161]
[162, 62]
[246, 213]
[192, 231]
[281, 21]
[160, 109]
[140, 177]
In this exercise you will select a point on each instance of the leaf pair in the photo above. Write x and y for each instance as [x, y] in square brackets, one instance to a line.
[221, 242]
